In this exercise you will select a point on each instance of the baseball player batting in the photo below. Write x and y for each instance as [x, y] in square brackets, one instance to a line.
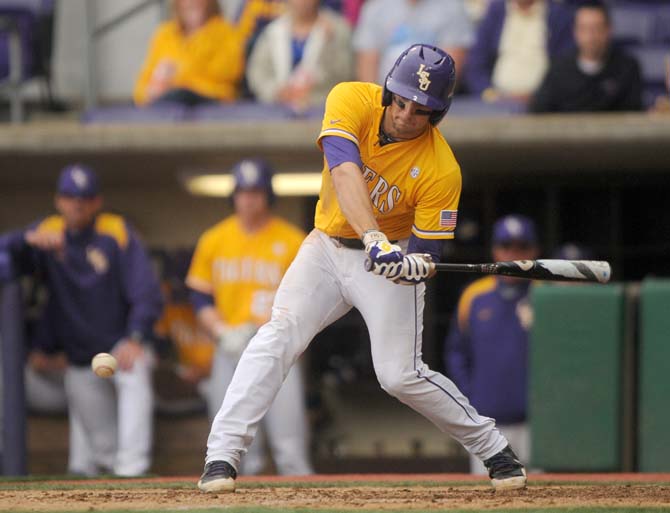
[390, 192]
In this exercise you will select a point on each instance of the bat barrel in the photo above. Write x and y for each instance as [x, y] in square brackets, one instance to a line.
[549, 270]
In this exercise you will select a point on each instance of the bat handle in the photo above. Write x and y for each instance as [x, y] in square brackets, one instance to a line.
[368, 264]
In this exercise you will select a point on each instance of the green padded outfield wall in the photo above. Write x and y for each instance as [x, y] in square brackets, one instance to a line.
[575, 377]
[654, 382]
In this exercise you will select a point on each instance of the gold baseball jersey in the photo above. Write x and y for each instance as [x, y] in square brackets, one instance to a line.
[242, 271]
[414, 185]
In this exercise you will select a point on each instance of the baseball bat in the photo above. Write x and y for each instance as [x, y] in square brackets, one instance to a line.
[549, 270]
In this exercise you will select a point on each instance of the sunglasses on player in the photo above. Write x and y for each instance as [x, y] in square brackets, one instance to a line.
[403, 103]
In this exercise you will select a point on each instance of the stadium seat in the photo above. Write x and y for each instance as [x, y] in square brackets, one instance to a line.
[653, 62]
[662, 31]
[241, 111]
[652, 59]
[245, 110]
[26, 20]
[474, 106]
[131, 114]
[633, 23]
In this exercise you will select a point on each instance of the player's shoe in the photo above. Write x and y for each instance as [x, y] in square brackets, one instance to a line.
[506, 471]
[219, 477]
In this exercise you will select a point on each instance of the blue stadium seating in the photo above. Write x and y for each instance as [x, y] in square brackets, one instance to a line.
[633, 23]
[130, 114]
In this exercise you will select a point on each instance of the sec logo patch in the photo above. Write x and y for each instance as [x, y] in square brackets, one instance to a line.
[414, 172]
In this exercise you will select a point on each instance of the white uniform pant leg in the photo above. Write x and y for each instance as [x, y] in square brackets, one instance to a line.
[223, 368]
[135, 417]
[394, 316]
[92, 407]
[518, 436]
[308, 299]
[287, 429]
[80, 455]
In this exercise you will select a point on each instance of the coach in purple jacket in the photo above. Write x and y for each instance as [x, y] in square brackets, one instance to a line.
[486, 349]
[103, 297]
[514, 44]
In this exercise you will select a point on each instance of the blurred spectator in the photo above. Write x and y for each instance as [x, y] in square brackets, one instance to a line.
[476, 9]
[662, 103]
[300, 56]
[195, 58]
[597, 76]
[515, 41]
[387, 27]
[234, 274]
[249, 17]
[103, 297]
[487, 346]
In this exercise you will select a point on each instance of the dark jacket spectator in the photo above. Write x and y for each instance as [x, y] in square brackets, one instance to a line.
[597, 77]
[568, 88]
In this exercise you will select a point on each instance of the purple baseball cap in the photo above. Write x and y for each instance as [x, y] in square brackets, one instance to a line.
[514, 228]
[78, 181]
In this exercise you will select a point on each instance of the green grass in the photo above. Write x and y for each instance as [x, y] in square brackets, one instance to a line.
[82, 484]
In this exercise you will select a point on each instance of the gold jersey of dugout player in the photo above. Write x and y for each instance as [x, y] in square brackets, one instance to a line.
[414, 186]
[242, 270]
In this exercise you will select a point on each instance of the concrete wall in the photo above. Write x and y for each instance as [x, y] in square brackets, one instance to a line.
[119, 53]
[166, 217]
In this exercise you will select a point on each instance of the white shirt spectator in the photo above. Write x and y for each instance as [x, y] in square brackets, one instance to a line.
[523, 57]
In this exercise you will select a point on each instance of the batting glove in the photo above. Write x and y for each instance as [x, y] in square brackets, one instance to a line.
[416, 267]
[385, 259]
[233, 341]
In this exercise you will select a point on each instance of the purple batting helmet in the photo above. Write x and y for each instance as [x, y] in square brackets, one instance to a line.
[423, 74]
[254, 174]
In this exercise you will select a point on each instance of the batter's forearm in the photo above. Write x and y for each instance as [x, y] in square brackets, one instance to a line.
[353, 197]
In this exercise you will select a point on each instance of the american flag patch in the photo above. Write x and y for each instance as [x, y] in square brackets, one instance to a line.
[448, 218]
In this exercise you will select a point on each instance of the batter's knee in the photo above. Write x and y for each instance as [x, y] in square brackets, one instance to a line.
[396, 381]
[281, 337]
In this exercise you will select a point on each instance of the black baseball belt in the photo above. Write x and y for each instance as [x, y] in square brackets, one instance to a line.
[353, 243]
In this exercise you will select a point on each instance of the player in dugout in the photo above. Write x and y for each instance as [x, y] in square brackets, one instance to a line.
[388, 201]
[234, 274]
[103, 297]
[486, 351]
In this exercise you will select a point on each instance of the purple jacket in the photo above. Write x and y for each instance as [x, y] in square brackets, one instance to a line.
[483, 54]
[101, 289]
[486, 350]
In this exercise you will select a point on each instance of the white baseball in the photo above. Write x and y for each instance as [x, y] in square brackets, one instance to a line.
[104, 365]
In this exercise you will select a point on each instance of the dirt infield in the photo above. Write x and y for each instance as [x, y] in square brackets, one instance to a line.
[340, 492]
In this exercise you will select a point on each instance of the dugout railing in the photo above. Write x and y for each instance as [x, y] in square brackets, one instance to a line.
[12, 356]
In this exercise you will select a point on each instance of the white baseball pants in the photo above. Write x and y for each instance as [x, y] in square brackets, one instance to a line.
[115, 415]
[323, 283]
[285, 423]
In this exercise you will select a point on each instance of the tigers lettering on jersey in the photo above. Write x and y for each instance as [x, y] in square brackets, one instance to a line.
[410, 183]
[263, 273]
[383, 195]
[242, 271]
